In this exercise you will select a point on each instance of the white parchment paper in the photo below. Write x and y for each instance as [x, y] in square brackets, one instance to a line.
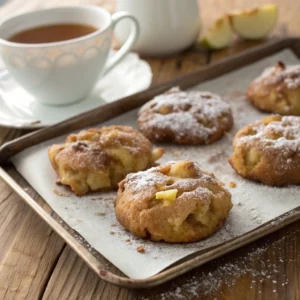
[93, 216]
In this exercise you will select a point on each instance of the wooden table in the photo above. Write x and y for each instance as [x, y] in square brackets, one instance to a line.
[36, 264]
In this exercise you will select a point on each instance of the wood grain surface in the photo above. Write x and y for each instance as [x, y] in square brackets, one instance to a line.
[36, 264]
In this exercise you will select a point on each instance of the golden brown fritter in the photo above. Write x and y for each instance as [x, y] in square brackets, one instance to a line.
[269, 151]
[100, 158]
[174, 202]
[185, 117]
[277, 90]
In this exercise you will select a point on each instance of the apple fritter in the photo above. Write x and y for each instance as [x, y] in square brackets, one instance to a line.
[99, 158]
[175, 202]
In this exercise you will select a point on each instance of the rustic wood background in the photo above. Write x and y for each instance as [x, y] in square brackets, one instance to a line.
[36, 264]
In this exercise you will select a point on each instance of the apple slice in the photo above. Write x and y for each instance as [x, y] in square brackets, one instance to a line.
[219, 35]
[169, 195]
[254, 23]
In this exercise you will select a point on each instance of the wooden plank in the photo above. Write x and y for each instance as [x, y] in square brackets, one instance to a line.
[12, 208]
[29, 248]
[25, 269]
[12, 211]
[78, 281]
[166, 69]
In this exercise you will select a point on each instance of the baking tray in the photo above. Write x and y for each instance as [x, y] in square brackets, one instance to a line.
[94, 259]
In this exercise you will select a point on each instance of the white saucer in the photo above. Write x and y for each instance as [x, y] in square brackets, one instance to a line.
[18, 109]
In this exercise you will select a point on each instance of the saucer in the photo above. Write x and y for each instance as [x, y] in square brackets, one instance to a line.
[19, 109]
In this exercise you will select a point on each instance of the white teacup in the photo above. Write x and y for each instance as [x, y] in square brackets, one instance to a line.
[63, 72]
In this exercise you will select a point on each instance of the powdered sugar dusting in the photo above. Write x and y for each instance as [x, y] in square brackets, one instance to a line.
[284, 133]
[213, 283]
[185, 124]
[144, 180]
[290, 75]
[194, 113]
[281, 136]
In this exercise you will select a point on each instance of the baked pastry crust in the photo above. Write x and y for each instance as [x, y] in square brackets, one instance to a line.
[181, 117]
[268, 151]
[199, 209]
[277, 90]
[100, 158]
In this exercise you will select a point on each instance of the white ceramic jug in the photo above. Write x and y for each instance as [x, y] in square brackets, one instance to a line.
[166, 26]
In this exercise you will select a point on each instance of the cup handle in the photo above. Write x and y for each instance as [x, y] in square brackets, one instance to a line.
[131, 40]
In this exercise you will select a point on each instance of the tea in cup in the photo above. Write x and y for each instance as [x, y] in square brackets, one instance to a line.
[58, 54]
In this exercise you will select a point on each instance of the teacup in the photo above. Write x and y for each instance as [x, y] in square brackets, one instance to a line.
[59, 73]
